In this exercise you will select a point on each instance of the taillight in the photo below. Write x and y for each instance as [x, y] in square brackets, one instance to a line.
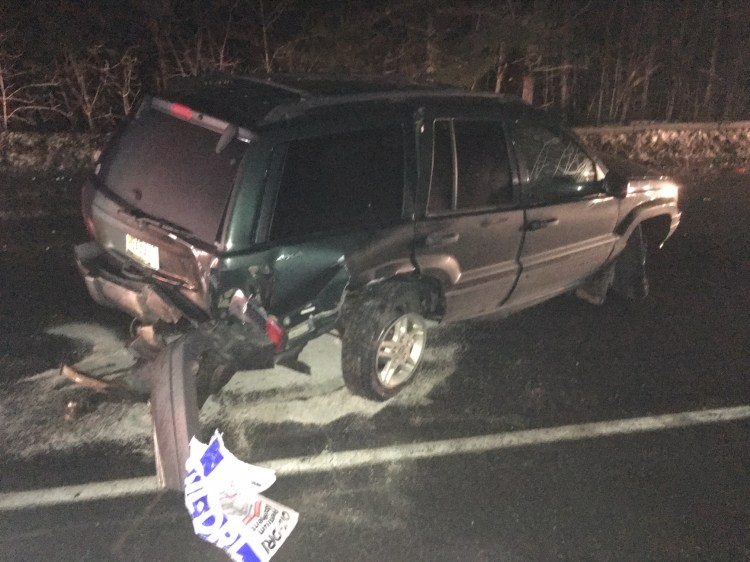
[87, 195]
[181, 111]
[275, 333]
[90, 228]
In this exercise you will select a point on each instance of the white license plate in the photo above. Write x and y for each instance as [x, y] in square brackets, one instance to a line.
[143, 252]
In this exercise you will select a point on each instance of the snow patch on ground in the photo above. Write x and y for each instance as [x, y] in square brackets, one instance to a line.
[281, 395]
[49, 152]
[32, 415]
[32, 411]
[103, 340]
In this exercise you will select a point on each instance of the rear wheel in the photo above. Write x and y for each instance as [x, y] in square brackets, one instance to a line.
[384, 342]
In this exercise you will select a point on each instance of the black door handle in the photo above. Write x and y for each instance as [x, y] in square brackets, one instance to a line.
[540, 223]
[441, 238]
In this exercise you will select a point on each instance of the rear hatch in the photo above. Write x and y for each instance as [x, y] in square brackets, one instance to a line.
[175, 164]
[160, 192]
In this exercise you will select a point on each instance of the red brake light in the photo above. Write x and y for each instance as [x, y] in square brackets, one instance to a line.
[181, 111]
[87, 196]
[90, 227]
[275, 333]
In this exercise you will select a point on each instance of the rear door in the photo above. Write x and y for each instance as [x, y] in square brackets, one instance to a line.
[569, 219]
[338, 215]
[472, 227]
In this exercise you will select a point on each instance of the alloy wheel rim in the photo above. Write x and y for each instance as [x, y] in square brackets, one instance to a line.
[400, 349]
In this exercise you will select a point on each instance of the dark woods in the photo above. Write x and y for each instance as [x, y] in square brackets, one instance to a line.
[79, 64]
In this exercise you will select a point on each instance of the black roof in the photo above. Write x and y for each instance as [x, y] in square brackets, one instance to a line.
[254, 101]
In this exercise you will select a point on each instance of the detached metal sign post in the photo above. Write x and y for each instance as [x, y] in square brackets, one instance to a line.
[174, 406]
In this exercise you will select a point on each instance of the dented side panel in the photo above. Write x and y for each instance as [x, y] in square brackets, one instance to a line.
[302, 284]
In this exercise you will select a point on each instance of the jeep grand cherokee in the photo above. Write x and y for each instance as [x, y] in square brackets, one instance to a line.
[268, 211]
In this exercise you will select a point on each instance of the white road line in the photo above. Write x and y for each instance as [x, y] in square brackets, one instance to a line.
[404, 452]
[78, 493]
[483, 443]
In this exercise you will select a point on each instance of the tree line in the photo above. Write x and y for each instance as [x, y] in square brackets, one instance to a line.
[81, 64]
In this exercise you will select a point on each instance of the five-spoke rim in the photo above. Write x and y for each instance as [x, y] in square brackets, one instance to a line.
[399, 350]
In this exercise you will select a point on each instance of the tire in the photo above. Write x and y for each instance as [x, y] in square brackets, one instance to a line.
[631, 280]
[384, 341]
[212, 375]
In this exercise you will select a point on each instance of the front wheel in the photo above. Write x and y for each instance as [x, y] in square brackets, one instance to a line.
[384, 342]
[630, 277]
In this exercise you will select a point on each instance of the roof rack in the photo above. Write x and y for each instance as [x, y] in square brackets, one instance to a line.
[257, 100]
[296, 108]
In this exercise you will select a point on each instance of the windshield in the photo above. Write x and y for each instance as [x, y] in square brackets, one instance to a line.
[169, 169]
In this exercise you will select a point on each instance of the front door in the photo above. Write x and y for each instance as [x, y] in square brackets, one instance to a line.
[471, 232]
[569, 219]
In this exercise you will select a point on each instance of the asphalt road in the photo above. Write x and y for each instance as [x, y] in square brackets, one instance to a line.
[478, 461]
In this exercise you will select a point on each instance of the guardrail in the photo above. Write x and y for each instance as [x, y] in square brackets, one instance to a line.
[643, 127]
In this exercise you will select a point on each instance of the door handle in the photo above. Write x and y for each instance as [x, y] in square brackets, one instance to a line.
[541, 223]
[441, 238]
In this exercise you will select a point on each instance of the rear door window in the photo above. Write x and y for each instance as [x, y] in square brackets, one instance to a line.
[442, 185]
[341, 181]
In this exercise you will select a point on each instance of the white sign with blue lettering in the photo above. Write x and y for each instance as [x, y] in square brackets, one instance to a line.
[222, 496]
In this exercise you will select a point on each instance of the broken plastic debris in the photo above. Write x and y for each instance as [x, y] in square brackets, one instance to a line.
[78, 407]
[222, 496]
[84, 380]
[114, 389]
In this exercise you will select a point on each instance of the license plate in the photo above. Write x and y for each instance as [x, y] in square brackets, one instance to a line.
[143, 252]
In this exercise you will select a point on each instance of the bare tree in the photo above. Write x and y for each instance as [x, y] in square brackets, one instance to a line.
[189, 48]
[267, 19]
[99, 85]
[85, 83]
[23, 92]
[125, 81]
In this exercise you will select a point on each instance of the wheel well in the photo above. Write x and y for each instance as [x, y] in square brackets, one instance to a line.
[431, 292]
[656, 230]
[434, 299]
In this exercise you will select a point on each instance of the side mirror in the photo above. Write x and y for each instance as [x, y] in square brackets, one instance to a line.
[615, 185]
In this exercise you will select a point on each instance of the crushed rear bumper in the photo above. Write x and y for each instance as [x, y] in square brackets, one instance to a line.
[241, 345]
[140, 297]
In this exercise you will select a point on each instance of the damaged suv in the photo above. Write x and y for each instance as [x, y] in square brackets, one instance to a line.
[264, 212]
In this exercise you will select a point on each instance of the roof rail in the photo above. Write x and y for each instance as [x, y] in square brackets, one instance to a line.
[293, 109]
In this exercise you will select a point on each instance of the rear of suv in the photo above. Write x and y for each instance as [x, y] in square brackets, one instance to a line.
[266, 212]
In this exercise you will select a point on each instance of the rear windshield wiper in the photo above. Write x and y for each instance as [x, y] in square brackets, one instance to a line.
[143, 218]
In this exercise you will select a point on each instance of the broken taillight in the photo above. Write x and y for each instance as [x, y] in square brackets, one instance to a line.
[181, 111]
[90, 228]
[87, 196]
[275, 333]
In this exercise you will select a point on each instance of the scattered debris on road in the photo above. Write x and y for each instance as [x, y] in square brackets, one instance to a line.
[113, 390]
[84, 380]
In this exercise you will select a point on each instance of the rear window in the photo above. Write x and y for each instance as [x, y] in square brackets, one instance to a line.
[342, 181]
[169, 169]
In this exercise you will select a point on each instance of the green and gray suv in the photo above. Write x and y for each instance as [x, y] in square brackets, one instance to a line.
[264, 212]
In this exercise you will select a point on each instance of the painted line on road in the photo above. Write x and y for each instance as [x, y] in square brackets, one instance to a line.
[325, 462]
[79, 493]
[483, 443]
